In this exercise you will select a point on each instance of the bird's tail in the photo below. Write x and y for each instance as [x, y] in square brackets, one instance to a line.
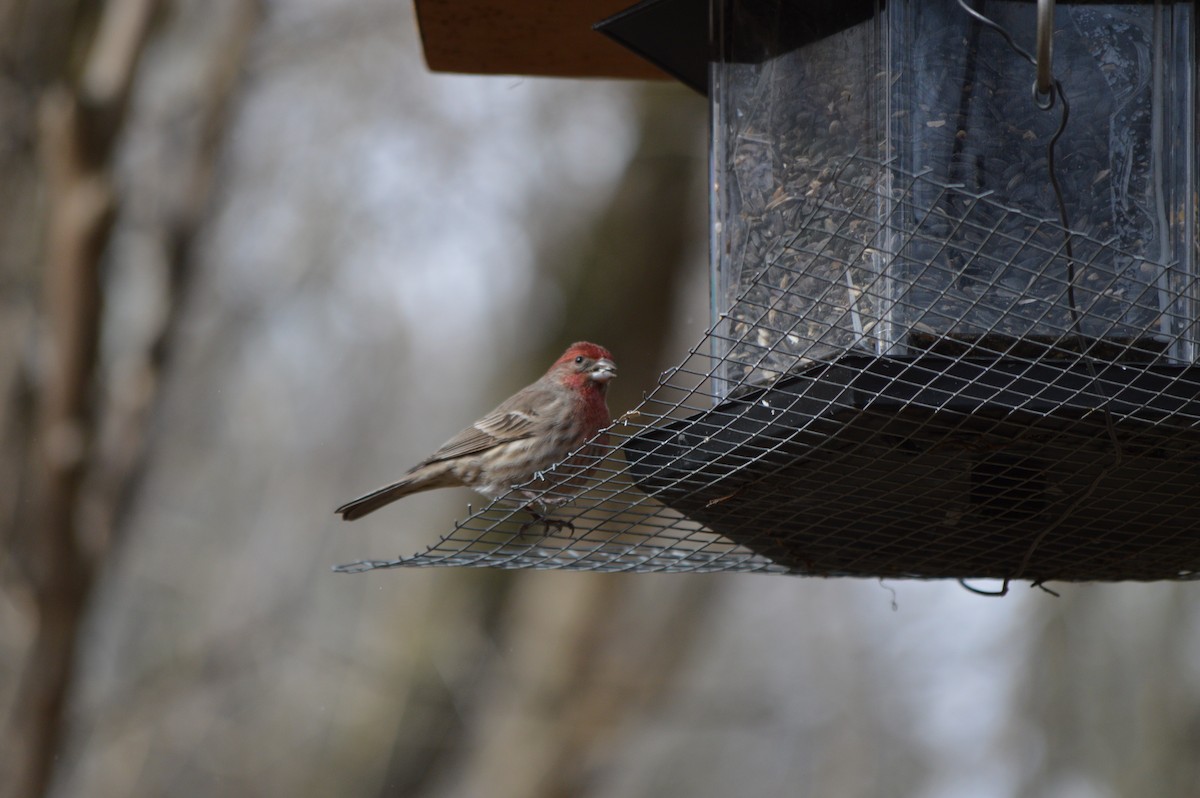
[423, 477]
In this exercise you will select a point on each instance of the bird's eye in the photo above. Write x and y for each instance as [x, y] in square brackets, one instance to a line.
[579, 359]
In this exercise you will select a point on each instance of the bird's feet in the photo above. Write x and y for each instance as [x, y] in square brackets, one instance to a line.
[548, 524]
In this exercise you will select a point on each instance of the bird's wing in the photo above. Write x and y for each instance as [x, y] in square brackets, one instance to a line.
[522, 416]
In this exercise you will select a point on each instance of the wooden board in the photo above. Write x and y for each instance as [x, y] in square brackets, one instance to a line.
[526, 37]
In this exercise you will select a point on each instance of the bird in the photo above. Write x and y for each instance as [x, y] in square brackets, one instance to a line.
[543, 424]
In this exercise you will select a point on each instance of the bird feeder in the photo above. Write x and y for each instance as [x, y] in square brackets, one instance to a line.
[955, 295]
[955, 301]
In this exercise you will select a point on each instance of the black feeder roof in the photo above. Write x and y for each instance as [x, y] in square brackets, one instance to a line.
[674, 35]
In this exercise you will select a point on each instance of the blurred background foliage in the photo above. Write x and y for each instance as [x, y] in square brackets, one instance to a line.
[255, 259]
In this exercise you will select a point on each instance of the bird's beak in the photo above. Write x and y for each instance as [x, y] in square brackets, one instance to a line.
[603, 370]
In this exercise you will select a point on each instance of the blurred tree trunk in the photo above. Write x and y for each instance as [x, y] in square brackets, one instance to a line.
[585, 652]
[616, 650]
[73, 415]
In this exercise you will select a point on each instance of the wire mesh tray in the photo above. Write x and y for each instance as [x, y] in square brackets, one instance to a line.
[919, 467]
[934, 467]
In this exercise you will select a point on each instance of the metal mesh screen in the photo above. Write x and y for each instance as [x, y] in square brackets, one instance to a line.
[995, 438]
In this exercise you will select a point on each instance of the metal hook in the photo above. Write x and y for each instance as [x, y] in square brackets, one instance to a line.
[1045, 41]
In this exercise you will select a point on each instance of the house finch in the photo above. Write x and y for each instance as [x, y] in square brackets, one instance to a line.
[534, 429]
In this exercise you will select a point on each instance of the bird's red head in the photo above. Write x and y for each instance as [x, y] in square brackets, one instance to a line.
[585, 366]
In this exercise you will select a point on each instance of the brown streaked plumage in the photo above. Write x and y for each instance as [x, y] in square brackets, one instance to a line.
[532, 430]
